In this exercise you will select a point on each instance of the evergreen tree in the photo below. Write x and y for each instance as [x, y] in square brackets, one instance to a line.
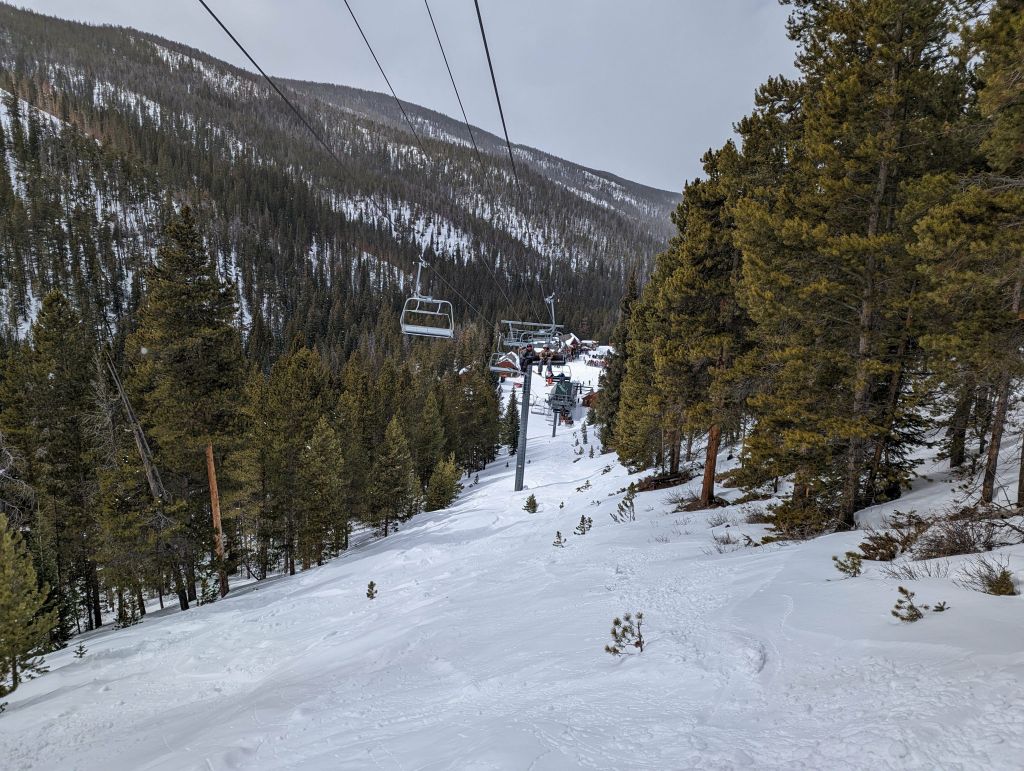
[283, 425]
[429, 438]
[970, 254]
[611, 379]
[189, 363]
[444, 486]
[324, 524]
[24, 625]
[59, 397]
[394, 491]
[510, 424]
[827, 276]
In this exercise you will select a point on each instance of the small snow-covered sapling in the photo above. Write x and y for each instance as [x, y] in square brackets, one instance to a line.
[584, 526]
[531, 504]
[850, 566]
[626, 510]
[371, 590]
[906, 610]
[559, 541]
[80, 651]
[626, 633]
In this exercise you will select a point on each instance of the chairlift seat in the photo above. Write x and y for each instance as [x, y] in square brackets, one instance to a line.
[427, 317]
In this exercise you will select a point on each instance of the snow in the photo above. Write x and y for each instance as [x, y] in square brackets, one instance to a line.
[483, 650]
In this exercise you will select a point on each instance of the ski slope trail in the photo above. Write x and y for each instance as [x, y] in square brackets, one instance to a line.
[484, 650]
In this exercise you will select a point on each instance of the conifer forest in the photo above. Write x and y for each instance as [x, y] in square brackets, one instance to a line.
[209, 384]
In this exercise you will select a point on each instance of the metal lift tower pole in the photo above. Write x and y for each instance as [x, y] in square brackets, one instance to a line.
[524, 419]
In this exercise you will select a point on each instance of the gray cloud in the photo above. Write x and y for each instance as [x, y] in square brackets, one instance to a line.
[636, 87]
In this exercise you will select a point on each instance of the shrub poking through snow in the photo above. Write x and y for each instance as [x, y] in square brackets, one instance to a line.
[531, 504]
[626, 633]
[905, 609]
[880, 547]
[559, 541]
[886, 545]
[850, 565]
[626, 510]
[991, 576]
[591, 451]
[80, 651]
[584, 486]
[584, 526]
[371, 590]
[961, 532]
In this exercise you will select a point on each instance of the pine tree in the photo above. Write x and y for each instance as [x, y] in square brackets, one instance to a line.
[510, 424]
[393, 487]
[283, 423]
[611, 380]
[59, 397]
[189, 362]
[444, 486]
[827, 276]
[429, 438]
[640, 413]
[323, 520]
[24, 625]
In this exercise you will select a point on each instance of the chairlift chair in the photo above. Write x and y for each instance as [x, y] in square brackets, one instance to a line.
[562, 395]
[423, 316]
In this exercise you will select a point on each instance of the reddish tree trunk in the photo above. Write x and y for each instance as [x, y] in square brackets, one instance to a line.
[707, 489]
[218, 534]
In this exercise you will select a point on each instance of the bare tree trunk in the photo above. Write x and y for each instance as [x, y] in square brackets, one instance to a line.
[94, 597]
[673, 457]
[179, 586]
[998, 423]
[1002, 405]
[707, 488]
[689, 446]
[891, 406]
[140, 599]
[190, 584]
[1020, 481]
[957, 431]
[218, 534]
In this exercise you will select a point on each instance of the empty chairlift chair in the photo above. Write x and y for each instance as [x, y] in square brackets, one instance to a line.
[423, 316]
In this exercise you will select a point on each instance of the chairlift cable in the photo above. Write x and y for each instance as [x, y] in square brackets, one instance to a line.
[398, 101]
[298, 114]
[458, 96]
[497, 97]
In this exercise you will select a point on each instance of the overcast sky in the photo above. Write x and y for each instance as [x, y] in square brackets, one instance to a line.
[639, 88]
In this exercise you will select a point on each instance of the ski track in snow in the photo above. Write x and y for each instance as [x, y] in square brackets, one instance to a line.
[484, 651]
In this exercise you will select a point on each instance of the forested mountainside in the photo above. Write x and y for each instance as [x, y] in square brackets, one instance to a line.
[845, 286]
[104, 127]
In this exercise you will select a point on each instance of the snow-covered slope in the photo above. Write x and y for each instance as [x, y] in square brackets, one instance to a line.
[483, 650]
